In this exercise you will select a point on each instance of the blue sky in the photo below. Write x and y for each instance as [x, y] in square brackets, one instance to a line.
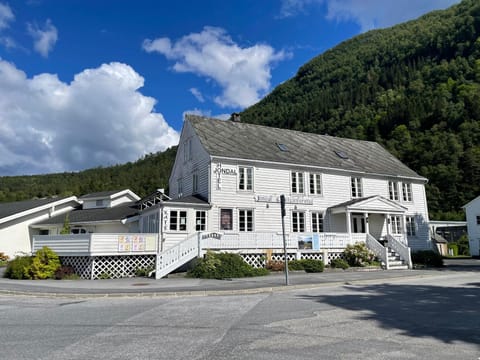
[88, 83]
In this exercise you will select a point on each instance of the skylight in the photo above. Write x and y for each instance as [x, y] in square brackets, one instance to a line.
[341, 154]
[282, 147]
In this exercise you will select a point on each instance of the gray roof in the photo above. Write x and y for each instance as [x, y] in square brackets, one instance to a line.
[81, 216]
[102, 194]
[190, 199]
[12, 208]
[239, 140]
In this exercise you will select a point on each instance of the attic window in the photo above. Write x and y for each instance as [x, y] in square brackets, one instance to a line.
[282, 147]
[341, 154]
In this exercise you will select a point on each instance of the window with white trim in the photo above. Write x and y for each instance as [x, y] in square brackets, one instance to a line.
[356, 187]
[200, 220]
[411, 227]
[407, 192]
[297, 182]
[245, 220]
[478, 219]
[298, 221]
[178, 220]
[187, 150]
[226, 219]
[395, 225]
[315, 184]
[179, 187]
[393, 190]
[245, 178]
[317, 222]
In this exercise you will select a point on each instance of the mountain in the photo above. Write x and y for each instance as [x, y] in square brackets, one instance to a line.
[414, 88]
[143, 177]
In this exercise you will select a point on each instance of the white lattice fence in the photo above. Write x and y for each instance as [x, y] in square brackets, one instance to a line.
[255, 260]
[115, 267]
[312, 256]
[81, 264]
[335, 255]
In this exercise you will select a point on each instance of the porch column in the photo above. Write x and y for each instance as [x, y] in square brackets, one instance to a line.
[367, 228]
[387, 221]
[404, 227]
[349, 225]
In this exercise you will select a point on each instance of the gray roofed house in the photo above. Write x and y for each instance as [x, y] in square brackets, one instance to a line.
[16, 208]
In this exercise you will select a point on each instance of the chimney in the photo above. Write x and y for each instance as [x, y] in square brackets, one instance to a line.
[235, 117]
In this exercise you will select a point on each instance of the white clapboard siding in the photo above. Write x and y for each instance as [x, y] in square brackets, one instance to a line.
[70, 245]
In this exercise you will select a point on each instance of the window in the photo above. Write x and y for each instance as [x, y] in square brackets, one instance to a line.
[356, 187]
[297, 182]
[226, 219]
[317, 222]
[315, 184]
[99, 203]
[410, 225]
[43, 232]
[478, 219]
[407, 191]
[187, 150]
[178, 220]
[395, 225]
[245, 181]
[78, 231]
[195, 182]
[179, 187]
[245, 220]
[282, 147]
[393, 190]
[200, 221]
[298, 221]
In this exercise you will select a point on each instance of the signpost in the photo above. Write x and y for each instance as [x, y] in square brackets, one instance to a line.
[282, 206]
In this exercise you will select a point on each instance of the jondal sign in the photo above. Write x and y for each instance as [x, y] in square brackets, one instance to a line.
[219, 170]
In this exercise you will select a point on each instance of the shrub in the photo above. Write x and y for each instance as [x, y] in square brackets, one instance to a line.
[339, 264]
[452, 249]
[308, 265]
[358, 255]
[427, 258]
[44, 264]
[463, 245]
[142, 272]
[222, 266]
[65, 272]
[19, 268]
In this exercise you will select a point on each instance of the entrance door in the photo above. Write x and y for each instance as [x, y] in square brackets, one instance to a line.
[358, 224]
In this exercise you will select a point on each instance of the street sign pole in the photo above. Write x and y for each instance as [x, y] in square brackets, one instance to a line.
[282, 205]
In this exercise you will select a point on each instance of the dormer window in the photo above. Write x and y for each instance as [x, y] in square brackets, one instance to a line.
[99, 203]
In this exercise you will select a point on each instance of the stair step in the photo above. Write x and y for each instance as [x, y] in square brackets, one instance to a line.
[396, 263]
[398, 267]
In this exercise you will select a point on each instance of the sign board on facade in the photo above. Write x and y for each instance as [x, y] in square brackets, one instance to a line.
[297, 200]
[136, 243]
[212, 235]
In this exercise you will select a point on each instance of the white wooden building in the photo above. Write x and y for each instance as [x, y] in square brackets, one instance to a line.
[472, 211]
[226, 184]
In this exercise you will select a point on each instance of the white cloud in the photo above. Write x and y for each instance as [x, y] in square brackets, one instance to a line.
[371, 14]
[242, 73]
[100, 118]
[206, 113]
[6, 16]
[368, 14]
[198, 95]
[44, 39]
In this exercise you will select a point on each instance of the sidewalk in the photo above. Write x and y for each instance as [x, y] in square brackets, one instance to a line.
[178, 285]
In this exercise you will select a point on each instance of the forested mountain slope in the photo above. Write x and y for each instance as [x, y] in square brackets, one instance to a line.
[414, 88]
[143, 177]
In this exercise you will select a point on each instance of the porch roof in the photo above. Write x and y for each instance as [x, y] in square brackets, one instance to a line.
[371, 204]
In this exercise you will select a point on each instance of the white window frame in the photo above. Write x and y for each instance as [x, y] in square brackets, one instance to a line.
[245, 178]
[356, 187]
[407, 194]
[195, 180]
[396, 224]
[315, 183]
[178, 220]
[317, 222]
[298, 221]
[393, 191]
[179, 187]
[244, 225]
[411, 225]
[200, 220]
[297, 182]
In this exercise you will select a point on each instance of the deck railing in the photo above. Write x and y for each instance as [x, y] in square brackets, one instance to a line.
[178, 255]
[378, 249]
[402, 250]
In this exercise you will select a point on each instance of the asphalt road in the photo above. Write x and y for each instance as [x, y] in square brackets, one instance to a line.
[432, 317]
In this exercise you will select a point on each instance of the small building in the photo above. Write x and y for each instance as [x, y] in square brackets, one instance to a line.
[472, 211]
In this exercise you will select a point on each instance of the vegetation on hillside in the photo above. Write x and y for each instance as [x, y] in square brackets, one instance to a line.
[414, 88]
[143, 177]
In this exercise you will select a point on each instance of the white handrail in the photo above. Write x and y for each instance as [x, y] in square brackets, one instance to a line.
[402, 250]
[378, 249]
[176, 256]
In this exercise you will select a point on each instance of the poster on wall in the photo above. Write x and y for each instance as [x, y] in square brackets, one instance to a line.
[309, 242]
[136, 243]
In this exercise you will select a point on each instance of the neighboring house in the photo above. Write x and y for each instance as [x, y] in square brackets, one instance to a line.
[472, 210]
[16, 217]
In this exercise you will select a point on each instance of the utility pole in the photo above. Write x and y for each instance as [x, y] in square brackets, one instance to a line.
[282, 205]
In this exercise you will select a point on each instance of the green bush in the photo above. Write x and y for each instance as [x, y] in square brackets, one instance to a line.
[427, 258]
[358, 255]
[339, 264]
[222, 266]
[143, 272]
[463, 245]
[19, 268]
[44, 264]
[65, 272]
[307, 265]
[452, 249]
